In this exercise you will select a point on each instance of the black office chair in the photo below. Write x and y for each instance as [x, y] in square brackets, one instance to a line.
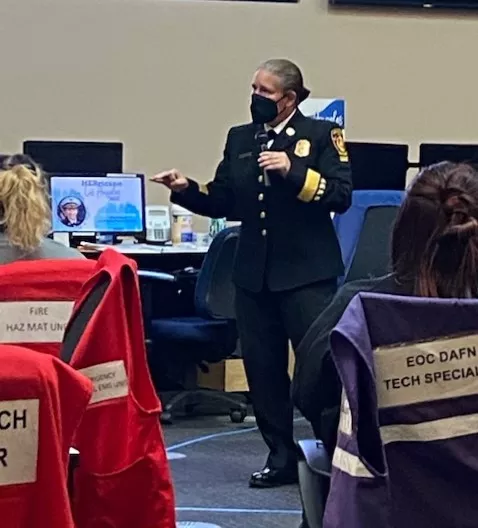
[208, 336]
[147, 282]
[314, 467]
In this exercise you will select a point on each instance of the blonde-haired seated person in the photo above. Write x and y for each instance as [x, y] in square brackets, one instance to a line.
[25, 213]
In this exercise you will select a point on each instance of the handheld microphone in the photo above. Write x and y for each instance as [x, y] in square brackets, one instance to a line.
[262, 138]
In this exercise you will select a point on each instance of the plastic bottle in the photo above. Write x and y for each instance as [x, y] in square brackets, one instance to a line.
[216, 225]
[181, 225]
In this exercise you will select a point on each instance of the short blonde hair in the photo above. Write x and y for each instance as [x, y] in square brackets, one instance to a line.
[24, 202]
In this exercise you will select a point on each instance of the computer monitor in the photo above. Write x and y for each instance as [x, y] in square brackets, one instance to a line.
[431, 153]
[76, 156]
[97, 203]
[378, 166]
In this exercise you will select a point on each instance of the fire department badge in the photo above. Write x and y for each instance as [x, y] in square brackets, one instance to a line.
[302, 148]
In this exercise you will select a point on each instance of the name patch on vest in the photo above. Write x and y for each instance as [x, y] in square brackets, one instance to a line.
[427, 371]
[34, 321]
[18, 441]
[110, 381]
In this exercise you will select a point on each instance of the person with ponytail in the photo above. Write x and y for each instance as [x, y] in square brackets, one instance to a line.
[434, 253]
[435, 238]
[25, 213]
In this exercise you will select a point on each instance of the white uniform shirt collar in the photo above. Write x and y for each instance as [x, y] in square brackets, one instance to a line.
[280, 127]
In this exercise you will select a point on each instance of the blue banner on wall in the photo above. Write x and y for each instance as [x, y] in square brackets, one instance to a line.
[326, 109]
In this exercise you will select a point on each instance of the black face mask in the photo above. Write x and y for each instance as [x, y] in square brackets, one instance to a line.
[263, 109]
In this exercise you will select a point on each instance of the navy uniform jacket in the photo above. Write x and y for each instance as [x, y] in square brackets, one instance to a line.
[287, 237]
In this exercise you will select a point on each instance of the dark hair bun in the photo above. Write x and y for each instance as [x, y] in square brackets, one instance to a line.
[304, 93]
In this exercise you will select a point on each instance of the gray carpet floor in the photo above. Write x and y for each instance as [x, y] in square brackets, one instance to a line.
[211, 460]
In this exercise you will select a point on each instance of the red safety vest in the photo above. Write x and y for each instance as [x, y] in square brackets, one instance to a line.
[37, 298]
[42, 401]
[123, 480]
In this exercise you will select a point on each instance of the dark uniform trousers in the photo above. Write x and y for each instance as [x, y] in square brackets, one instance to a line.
[288, 257]
[266, 321]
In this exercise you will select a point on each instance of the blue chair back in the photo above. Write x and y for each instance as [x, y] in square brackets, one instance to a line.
[215, 292]
[350, 230]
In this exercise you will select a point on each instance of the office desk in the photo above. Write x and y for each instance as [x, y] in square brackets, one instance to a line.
[155, 258]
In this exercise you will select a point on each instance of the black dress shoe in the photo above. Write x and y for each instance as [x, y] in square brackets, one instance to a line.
[272, 478]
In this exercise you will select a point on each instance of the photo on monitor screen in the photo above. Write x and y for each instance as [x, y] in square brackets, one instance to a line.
[95, 203]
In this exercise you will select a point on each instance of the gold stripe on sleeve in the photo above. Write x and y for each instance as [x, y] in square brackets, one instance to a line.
[311, 186]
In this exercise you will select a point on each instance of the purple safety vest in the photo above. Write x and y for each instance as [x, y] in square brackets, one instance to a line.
[407, 450]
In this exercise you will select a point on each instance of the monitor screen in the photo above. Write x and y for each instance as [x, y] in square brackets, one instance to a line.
[97, 203]
[76, 156]
[431, 153]
[378, 166]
